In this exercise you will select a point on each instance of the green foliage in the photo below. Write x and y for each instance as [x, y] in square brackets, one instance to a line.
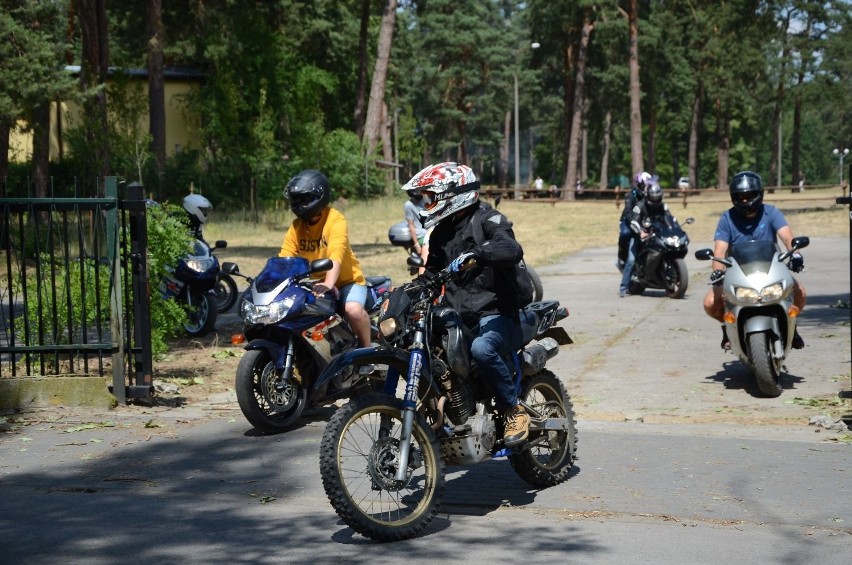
[64, 302]
[168, 241]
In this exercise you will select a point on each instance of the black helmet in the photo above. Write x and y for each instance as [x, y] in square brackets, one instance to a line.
[746, 191]
[653, 194]
[308, 193]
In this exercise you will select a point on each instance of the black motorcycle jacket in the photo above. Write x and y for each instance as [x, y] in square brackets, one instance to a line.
[488, 288]
[641, 212]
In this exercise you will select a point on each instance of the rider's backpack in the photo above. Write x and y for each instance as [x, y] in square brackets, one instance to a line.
[523, 285]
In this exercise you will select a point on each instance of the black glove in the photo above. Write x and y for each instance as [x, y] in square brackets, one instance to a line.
[797, 262]
[716, 277]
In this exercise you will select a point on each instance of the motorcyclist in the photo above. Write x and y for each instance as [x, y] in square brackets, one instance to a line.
[627, 241]
[198, 208]
[750, 220]
[320, 232]
[650, 210]
[485, 295]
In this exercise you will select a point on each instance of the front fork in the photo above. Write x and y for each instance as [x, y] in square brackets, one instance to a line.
[409, 402]
[286, 371]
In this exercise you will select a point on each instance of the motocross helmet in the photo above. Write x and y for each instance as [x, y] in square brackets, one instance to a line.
[446, 188]
[198, 209]
[747, 192]
[308, 193]
[653, 195]
[641, 181]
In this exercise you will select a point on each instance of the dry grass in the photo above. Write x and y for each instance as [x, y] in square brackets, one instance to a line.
[547, 231]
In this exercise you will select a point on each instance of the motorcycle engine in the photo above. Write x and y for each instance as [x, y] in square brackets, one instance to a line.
[475, 445]
[461, 404]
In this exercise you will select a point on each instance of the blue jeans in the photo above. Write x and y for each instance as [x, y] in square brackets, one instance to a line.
[629, 264]
[497, 337]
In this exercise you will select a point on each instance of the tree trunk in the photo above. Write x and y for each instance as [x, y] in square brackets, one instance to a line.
[93, 72]
[41, 149]
[568, 80]
[377, 90]
[568, 191]
[5, 129]
[798, 174]
[636, 157]
[503, 170]
[361, 89]
[695, 127]
[723, 143]
[607, 133]
[156, 91]
[652, 137]
[387, 148]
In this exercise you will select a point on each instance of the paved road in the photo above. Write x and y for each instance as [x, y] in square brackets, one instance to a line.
[679, 461]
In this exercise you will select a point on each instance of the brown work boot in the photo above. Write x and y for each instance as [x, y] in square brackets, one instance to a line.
[517, 426]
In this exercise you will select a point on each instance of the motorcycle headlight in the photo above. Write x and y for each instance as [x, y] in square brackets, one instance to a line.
[766, 294]
[672, 241]
[199, 265]
[266, 314]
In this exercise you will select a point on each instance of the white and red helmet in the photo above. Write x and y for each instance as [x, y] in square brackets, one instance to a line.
[446, 189]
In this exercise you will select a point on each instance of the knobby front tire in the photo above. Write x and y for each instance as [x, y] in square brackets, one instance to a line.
[357, 463]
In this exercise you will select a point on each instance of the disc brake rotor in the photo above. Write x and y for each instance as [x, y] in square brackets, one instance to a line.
[282, 399]
[382, 465]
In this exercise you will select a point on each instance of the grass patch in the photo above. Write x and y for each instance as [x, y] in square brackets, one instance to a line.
[548, 232]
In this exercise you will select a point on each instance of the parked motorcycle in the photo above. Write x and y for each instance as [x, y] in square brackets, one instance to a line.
[400, 236]
[382, 458]
[292, 335]
[192, 283]
[760, 316]
[660, 259]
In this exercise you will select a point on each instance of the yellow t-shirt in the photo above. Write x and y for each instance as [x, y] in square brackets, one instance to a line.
[328, 238]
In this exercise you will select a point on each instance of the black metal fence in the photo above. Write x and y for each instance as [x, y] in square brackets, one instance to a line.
[74, 296]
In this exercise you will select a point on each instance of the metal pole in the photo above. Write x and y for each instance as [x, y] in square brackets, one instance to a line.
[517, 144]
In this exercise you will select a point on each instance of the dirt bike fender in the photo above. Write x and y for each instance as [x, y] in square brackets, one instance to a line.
[381, 355]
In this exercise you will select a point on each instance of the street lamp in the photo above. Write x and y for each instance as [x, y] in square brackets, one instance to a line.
[534, 45]
[842, 154]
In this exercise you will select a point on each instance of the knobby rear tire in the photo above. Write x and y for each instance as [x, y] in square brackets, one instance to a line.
[358, 475]
[549, 463]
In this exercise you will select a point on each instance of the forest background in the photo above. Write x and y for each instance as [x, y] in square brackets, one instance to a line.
[596, 90]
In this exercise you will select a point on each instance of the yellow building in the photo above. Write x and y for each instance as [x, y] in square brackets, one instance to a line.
[182, 126]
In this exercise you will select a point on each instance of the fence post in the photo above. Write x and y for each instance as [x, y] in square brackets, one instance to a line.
[142, 385]
[116, 308]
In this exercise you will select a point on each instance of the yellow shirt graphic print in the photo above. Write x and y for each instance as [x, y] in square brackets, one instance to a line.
[328, 238]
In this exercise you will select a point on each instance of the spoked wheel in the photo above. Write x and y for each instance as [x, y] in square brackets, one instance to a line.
[676, 277]
[201, 314]
[767, 369]
[267, 405]
[226, 292]
[358, 461]
[551, 454]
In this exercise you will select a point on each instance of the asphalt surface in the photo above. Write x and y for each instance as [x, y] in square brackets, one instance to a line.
[679, 460]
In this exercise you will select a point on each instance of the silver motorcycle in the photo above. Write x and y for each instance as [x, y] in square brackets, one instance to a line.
[760, 317]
